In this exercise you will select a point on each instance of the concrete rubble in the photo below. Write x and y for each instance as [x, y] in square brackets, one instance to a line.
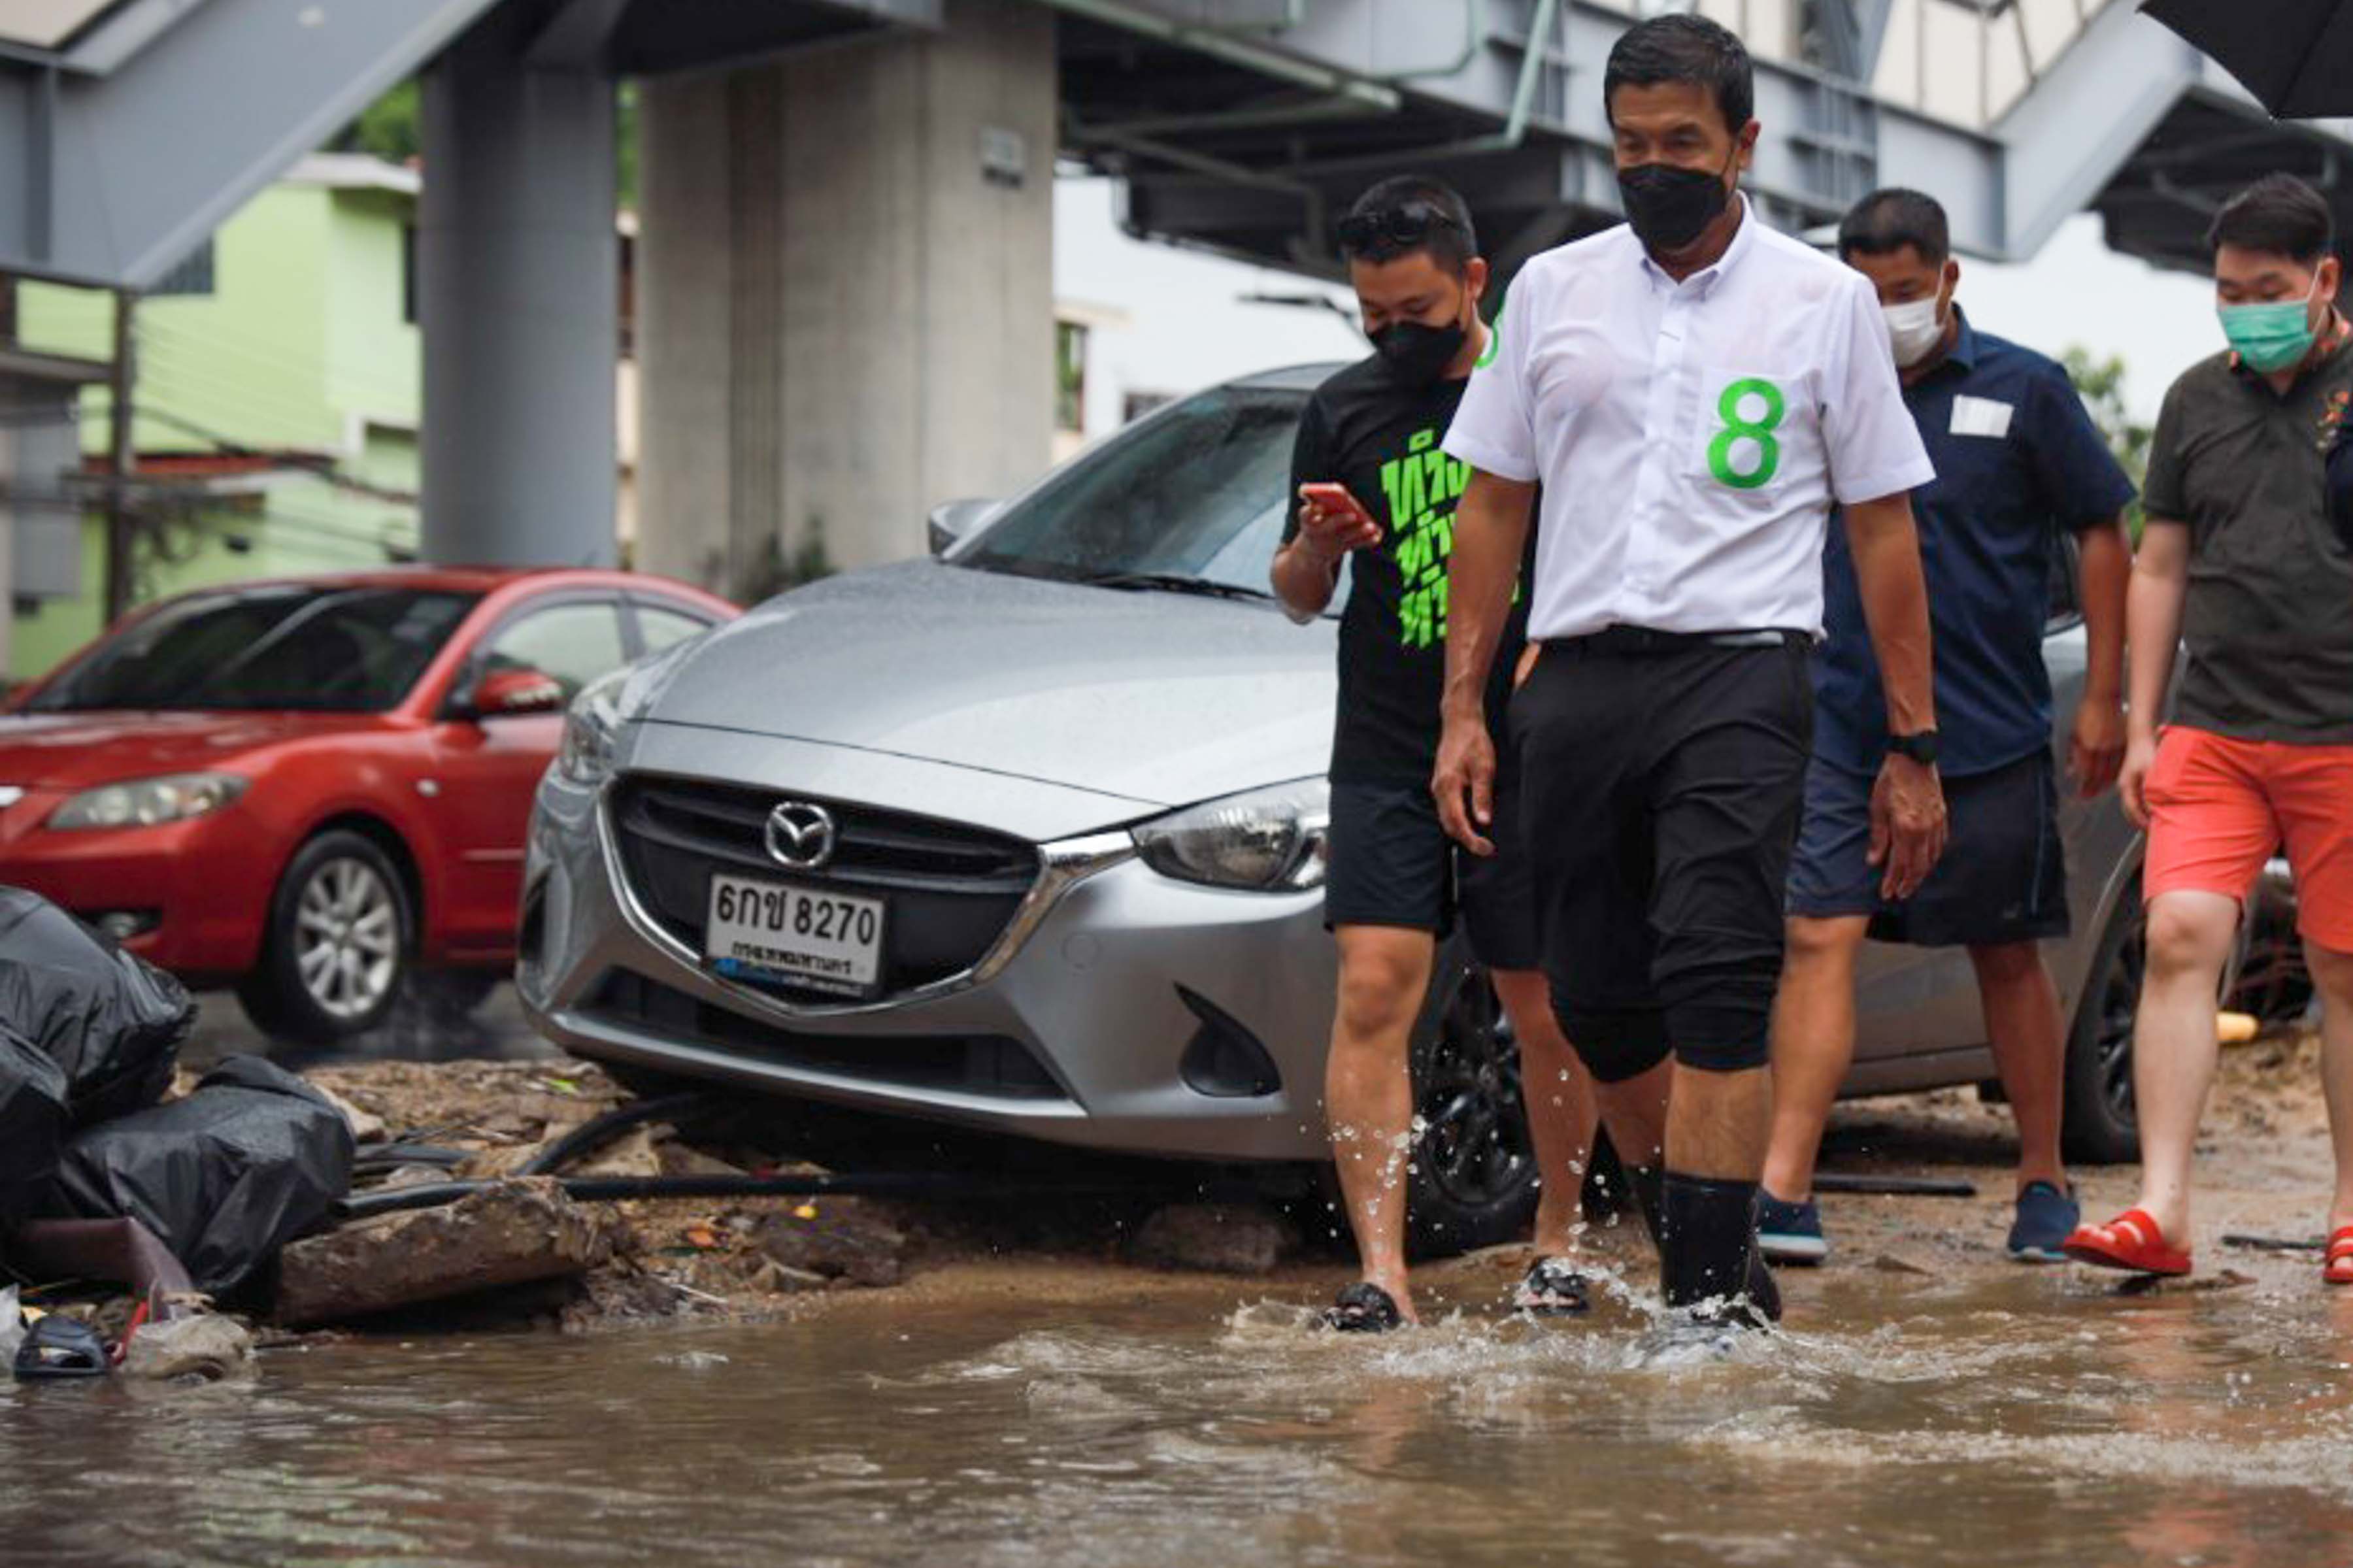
[514, 1233]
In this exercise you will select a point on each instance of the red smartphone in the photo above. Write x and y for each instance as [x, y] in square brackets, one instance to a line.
[1334, 497]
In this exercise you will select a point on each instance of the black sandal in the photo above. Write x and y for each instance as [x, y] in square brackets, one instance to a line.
[1551, 1289]
[57, 1347]
[1363, 1308]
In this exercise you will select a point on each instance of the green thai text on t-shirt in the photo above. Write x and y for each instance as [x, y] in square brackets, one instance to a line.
[1422, 487]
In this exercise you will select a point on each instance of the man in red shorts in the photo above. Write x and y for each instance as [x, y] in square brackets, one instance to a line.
[2242, 563]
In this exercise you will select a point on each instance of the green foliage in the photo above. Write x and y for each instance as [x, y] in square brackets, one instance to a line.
[387, 128]
[2101, 385]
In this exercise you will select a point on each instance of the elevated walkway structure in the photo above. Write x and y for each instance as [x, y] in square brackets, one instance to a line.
[2017, 113]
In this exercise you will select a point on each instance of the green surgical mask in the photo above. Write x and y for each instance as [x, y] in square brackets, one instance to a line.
[2271, 337]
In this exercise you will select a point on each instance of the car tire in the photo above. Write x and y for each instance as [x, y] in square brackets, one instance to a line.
[2099, 1126]
[340, 943]
[1472, 1179]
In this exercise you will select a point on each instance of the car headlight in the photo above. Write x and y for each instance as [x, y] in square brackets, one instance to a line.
[148, 803]
[1265, 840]
[585, 757]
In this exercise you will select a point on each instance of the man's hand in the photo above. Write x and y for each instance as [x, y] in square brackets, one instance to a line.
[2132, 783]
[2098, 750]
[1329, 532]
[1907, 824]
[1464, 781]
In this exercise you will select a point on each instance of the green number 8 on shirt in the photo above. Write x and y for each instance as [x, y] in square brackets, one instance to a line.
[1745, 454]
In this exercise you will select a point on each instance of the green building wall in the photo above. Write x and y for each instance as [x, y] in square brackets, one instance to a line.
[301, 349]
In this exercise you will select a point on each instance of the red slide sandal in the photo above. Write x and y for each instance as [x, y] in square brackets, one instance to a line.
[2132, 1242]
[2338, 1269]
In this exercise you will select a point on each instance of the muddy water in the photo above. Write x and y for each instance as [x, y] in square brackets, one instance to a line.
[2024, 1417]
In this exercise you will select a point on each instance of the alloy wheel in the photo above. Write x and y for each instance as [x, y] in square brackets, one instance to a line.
[347, 938]
[1474, 1147]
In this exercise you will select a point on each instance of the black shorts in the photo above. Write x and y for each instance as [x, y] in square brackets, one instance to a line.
[2003, 877]
[1392, 865]
[1662, 792]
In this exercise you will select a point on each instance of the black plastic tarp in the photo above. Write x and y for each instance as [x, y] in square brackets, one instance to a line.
[223, 1178]
[111, 1019]
[32, 1122]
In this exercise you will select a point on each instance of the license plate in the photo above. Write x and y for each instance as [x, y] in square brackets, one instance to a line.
[777, 932]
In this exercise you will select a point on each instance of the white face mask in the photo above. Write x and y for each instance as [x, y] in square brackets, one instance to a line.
[1913, 330]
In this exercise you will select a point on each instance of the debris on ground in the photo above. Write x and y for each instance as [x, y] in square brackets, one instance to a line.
[223, 1178]
[850, 1241]
[32, 1119]
[1216, 1239]
[201, 1346]
[514, 1233]
[112, 1021]
[518, 1253]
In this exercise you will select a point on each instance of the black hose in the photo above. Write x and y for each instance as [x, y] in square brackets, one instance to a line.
[392, 1156]
[600, 1131]
[1897, 1186]
[936, 1184]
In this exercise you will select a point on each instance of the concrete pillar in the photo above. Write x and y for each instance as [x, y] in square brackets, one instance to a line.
[518, 299]
[846, 309]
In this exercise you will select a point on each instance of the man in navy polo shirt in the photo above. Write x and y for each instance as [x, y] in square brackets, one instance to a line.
[2018, 463]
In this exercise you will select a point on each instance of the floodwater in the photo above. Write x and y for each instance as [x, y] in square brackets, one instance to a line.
[2016, 1417]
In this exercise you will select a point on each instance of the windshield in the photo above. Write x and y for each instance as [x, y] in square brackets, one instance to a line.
[320, 649]
[1196, 491]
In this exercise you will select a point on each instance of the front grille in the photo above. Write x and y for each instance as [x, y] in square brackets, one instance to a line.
[951, 889]
[993, 1067]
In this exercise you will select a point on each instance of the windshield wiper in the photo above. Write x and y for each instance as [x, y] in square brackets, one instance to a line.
[1175, 582]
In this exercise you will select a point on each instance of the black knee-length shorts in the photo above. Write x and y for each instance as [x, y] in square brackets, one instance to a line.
[1661, 784]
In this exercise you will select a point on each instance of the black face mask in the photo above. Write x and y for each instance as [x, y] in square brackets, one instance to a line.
[1668, 204]
[1418, 351]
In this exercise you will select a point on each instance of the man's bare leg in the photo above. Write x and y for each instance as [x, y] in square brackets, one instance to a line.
[2332, 976]
[1560, 1106]
[2190, 936]
[1368, 1090]
[1718, 1123]
[1635, 1111]
[1813, 1045]
[2030, 1051]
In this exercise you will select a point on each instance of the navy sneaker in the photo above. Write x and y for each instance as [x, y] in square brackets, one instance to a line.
[1789, 1233]
[2046, 1218]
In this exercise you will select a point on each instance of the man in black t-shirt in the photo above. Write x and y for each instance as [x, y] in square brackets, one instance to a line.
[1377, 496]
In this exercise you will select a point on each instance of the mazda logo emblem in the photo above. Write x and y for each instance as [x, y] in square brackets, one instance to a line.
[800, 835]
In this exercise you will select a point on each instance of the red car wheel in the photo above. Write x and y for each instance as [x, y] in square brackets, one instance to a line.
[340, 943]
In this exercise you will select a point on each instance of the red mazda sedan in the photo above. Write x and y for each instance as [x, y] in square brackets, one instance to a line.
[307, 788]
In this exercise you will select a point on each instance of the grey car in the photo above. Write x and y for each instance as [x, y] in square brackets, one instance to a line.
[1030, 837]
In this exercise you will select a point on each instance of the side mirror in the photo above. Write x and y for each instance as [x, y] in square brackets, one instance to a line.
[505, 693]
[952, 520]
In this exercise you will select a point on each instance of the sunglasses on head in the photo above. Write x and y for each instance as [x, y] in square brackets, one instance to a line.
[1399, 225]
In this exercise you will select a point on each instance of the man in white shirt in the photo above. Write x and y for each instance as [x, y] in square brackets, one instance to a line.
[1694, 393]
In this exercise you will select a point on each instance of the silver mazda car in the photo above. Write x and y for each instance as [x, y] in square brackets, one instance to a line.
[1029, 836]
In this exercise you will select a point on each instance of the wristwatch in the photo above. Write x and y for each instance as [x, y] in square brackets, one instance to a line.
[1920, 748]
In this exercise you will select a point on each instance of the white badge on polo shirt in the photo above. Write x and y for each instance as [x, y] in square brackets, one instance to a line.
[1982, 416]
